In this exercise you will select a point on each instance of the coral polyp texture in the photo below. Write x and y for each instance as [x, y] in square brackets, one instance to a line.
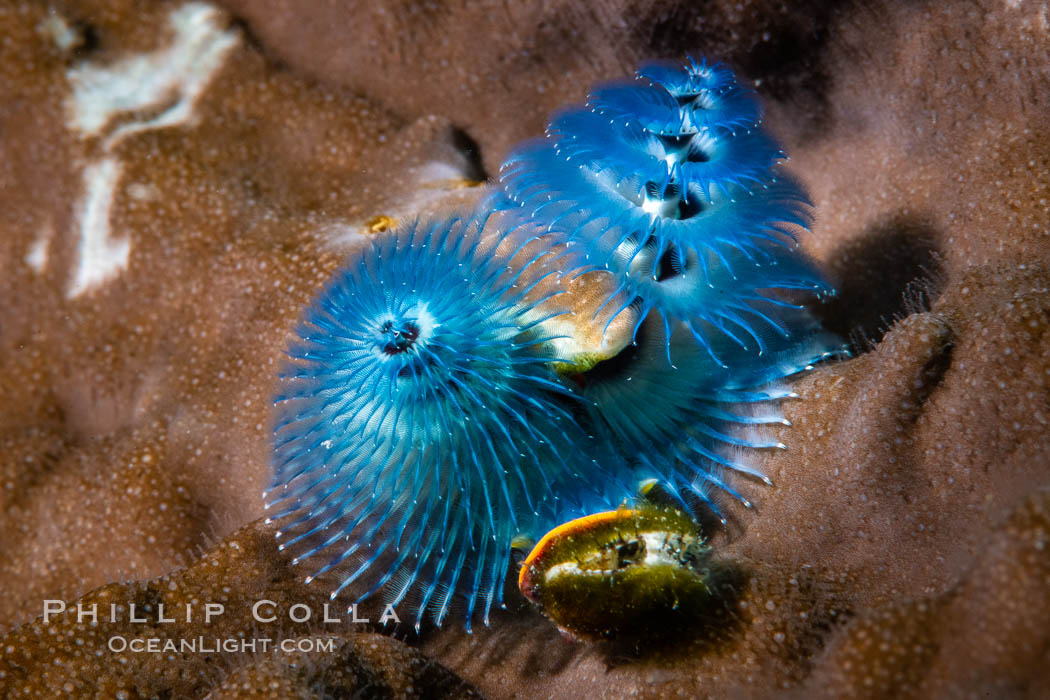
[668, 182]
[239, 156]
[420, 426]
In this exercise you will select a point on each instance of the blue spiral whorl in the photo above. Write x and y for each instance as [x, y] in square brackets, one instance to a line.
[669, 182]
[420, 426]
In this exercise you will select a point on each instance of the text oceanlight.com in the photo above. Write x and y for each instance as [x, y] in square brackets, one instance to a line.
[232, 645]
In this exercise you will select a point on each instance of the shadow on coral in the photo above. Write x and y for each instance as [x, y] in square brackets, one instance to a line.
[518, 636]
[470, 151]
[672, 635]
[890, 271]
[786, 56]
[667, 637]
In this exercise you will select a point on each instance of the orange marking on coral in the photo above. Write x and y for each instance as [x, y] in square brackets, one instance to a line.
[379, 224]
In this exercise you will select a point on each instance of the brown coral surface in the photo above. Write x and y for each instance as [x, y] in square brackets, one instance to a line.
[177, 180]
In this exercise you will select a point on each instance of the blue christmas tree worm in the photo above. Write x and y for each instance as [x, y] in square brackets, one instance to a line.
[425, 419]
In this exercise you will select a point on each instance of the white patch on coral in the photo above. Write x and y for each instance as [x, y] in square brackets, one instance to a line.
[99, 255]
[434, 181]
[178, 74]
[342, 235]
[427, 187]
[171, 80]
[437, 170]
[36, 258]
[143, 192]
[58, 30]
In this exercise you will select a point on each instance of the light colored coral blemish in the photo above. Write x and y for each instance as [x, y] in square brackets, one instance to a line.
[36, 257]
[56, 28]
[434, 183]
[100, 256]
[172, 80]
[176, 76]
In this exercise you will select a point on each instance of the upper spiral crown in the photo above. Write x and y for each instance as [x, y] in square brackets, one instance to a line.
[668, 182]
